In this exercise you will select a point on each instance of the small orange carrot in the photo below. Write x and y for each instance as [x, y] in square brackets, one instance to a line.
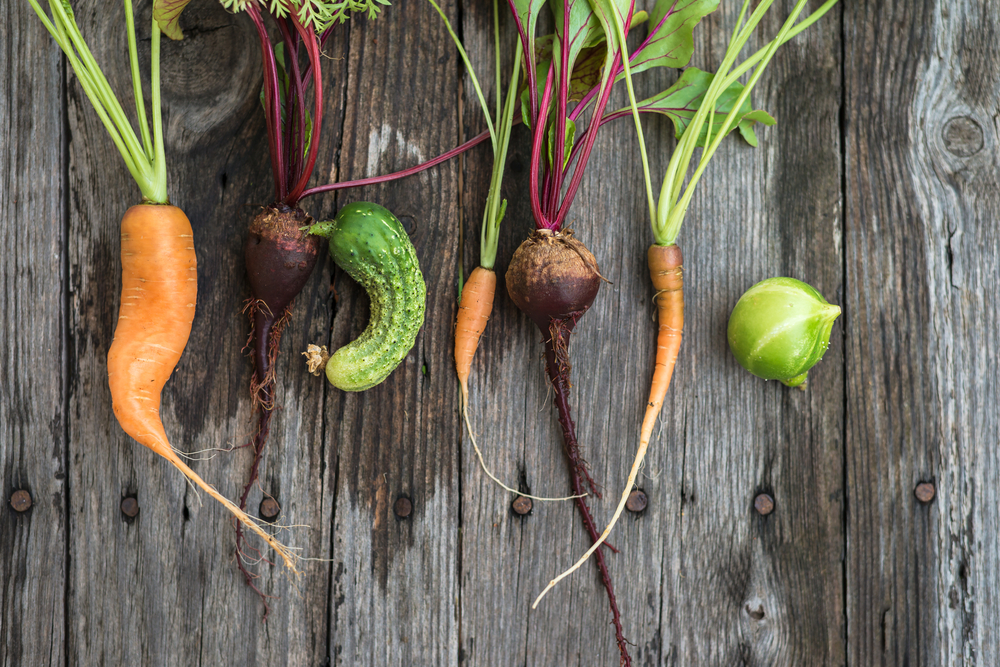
[666, 270]
[159, 290]
[473, 314]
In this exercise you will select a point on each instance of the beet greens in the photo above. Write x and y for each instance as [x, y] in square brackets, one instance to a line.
[570, 74]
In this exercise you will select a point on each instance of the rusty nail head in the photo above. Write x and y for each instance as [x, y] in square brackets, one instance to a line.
[637, 501]
[20, 501]
[402, 507]
[130, 507]
[925, 492]
[521, 505]
[764, 504]
[269, 509]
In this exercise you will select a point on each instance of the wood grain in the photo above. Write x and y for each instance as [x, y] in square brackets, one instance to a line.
[878, 186]
[922, 248]
[33, 379]
[172, 568]
[395, 579]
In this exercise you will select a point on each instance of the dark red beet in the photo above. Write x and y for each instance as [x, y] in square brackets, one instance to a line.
[280, 257]
[553, 278]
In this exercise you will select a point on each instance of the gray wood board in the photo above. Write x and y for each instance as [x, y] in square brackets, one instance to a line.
[922, 82]
[395, 581]
[878, 186]
[33, 543]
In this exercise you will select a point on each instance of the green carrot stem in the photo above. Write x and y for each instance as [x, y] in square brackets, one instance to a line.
[496, 206]
[677, 214]
[755, 58]
[133, 59]
[144, 160]
[159, 184]
[472, 74]
[688, 143]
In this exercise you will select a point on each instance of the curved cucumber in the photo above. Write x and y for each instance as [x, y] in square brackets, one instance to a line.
[368, 242]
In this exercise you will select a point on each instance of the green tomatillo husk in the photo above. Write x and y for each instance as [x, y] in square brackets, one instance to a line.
[780, 328]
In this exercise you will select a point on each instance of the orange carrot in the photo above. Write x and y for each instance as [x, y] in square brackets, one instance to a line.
[473, 314]
[666, 270]
[159, 289]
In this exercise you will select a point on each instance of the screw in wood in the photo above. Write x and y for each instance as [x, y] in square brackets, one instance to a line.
[130, 507]
[521, 505]
[925, 492]
[269, 509]
[764, 504]
[20, 500]
[637, 501]
[402, 507]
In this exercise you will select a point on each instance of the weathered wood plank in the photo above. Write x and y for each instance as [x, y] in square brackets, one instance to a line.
[164, 589]
[32, 356]
[922, 83]
[907, 393]
[395, 589]
[748, 589]
[698, 568]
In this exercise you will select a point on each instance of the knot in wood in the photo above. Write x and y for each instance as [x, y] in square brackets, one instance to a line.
[963, 136]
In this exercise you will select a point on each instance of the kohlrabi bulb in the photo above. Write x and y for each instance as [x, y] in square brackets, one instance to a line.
[780, 328]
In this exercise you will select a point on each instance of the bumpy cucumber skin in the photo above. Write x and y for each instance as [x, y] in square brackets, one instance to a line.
[368, 242]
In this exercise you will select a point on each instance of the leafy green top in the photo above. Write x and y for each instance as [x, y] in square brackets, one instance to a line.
[143, 153]
[319, 15]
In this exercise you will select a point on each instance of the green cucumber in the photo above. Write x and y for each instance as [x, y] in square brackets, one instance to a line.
[368, 242]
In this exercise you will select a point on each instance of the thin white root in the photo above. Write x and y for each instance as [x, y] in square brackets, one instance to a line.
[482, 463]
[286, 554]
[639, 456]
[192, 456]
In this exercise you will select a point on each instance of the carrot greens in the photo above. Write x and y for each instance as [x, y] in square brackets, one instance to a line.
[704, 108]
[159, 265]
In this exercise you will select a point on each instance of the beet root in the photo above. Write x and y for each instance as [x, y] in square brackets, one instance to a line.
[280, 257]
[552, 275]
[553, 278]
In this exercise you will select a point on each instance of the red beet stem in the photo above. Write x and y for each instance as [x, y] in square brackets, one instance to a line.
[558, 366]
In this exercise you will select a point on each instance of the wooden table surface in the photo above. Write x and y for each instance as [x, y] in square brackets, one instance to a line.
[878, 185]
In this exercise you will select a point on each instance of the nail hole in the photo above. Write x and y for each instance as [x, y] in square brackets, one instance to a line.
[20, 500]
[764, 504]
[925, 492]
[130, 508]
[637, 501]
[521, 505]
[403, 507]
[269, 509]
